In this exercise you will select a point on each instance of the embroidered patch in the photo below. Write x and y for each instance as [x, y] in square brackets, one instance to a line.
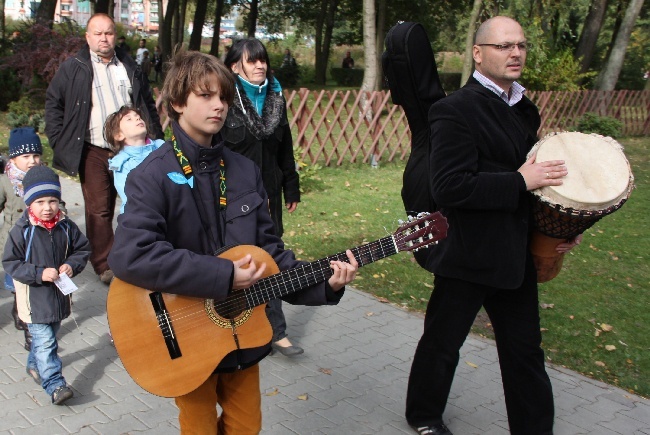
[179, 178]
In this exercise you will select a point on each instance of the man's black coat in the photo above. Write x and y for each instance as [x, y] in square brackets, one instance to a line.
[477, 144]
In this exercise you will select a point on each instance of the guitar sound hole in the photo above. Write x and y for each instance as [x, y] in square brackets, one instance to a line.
[230, 308]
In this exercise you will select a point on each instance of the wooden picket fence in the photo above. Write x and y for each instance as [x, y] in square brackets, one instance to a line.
[333, 127]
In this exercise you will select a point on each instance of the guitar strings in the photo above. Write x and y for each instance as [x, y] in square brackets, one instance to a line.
[185, 318]
[182, 319]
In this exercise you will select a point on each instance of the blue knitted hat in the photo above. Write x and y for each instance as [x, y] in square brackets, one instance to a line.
[41, 181]
[24, 140]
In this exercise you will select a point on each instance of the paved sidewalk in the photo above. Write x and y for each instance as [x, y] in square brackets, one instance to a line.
[351, 379]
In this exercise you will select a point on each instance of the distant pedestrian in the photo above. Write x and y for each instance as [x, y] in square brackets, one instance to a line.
[121, 42]
[139, 54]
[157, 62]
[348, 62]
[146, 65]
[43, 246]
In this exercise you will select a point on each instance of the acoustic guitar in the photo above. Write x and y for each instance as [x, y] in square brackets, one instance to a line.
[170, 344]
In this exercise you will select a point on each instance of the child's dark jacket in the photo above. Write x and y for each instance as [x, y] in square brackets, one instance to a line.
[38, 301]
[161, 243]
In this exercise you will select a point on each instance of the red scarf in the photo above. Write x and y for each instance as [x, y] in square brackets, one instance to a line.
[47, 224]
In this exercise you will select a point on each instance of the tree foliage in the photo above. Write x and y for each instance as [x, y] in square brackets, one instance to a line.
[39, 50]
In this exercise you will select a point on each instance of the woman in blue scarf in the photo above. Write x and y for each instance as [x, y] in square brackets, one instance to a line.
[257, 127]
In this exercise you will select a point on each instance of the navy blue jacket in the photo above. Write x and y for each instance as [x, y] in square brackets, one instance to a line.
[38, 301]
[162, 245]
[477, 144]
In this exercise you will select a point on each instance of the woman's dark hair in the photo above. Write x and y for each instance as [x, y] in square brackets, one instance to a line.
[253, 49]
[112, 126]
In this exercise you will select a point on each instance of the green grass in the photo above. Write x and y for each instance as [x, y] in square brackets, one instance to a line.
[603, 282]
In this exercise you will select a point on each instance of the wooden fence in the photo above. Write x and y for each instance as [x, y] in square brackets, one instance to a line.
[337, 126]
[333, 127]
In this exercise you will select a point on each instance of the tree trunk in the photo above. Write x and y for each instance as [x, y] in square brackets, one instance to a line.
[590, 31]
[609, 75]
[379, 44]
[166, 30]
[101, 6]
[199, 21]
[214, 48]
[45, 12]
[179, 23]
[369, 46]
[3, 25]
[323, 38]
[468, 62]
[253, 12]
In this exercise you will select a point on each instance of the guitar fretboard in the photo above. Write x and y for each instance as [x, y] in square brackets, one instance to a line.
[290, 281]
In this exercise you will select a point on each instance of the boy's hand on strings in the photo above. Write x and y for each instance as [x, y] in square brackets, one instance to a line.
[344, 272]
[65, 269]
[49, 275]
[246, 272]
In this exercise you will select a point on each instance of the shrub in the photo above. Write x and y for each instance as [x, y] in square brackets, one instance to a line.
[604, 125]
[288, 75]
[25, 112]
[348, 76]
[10, 88]
[39, 50]
[450, 81]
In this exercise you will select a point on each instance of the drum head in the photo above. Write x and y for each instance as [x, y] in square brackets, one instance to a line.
[599, 173]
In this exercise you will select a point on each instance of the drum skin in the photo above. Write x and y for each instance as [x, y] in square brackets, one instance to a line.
[599, 181]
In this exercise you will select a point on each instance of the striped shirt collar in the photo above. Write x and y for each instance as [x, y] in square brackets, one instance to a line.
[516, 90]
[95, 58]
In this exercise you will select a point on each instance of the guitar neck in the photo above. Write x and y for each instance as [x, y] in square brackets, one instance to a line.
[293, 280]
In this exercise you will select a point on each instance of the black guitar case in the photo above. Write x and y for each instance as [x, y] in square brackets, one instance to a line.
[410, 69]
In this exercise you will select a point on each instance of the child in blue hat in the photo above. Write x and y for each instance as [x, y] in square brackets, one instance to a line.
[25, 152]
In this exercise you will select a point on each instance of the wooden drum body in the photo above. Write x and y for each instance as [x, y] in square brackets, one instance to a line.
[599, 181]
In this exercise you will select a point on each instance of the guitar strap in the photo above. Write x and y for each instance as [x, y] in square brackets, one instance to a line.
[198, 200]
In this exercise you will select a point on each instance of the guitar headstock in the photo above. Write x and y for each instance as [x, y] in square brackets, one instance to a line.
[420, 231]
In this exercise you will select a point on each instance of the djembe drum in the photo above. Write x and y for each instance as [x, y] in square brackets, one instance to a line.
[598, 183]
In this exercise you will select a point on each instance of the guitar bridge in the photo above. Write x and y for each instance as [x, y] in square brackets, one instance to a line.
[165, 324]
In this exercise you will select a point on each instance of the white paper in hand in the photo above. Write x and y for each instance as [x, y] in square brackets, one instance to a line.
[65, 284]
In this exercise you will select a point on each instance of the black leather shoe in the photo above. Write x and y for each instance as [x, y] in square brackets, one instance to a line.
[28, 340]
[61, 394]
[435, 429]
[287, 351]
[19, 324]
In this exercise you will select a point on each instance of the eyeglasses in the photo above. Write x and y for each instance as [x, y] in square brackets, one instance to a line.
[523, 46]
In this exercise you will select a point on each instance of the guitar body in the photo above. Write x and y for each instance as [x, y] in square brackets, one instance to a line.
[201, 335]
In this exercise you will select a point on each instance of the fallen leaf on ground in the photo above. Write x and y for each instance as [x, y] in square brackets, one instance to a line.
[347, 184]
[274, 392]
[382, 300]
[600, 363]
[325, 371]
[610, 347]
[605, 327]
[545, 306]
[302, 397]
[472, 365]
[370, 313]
